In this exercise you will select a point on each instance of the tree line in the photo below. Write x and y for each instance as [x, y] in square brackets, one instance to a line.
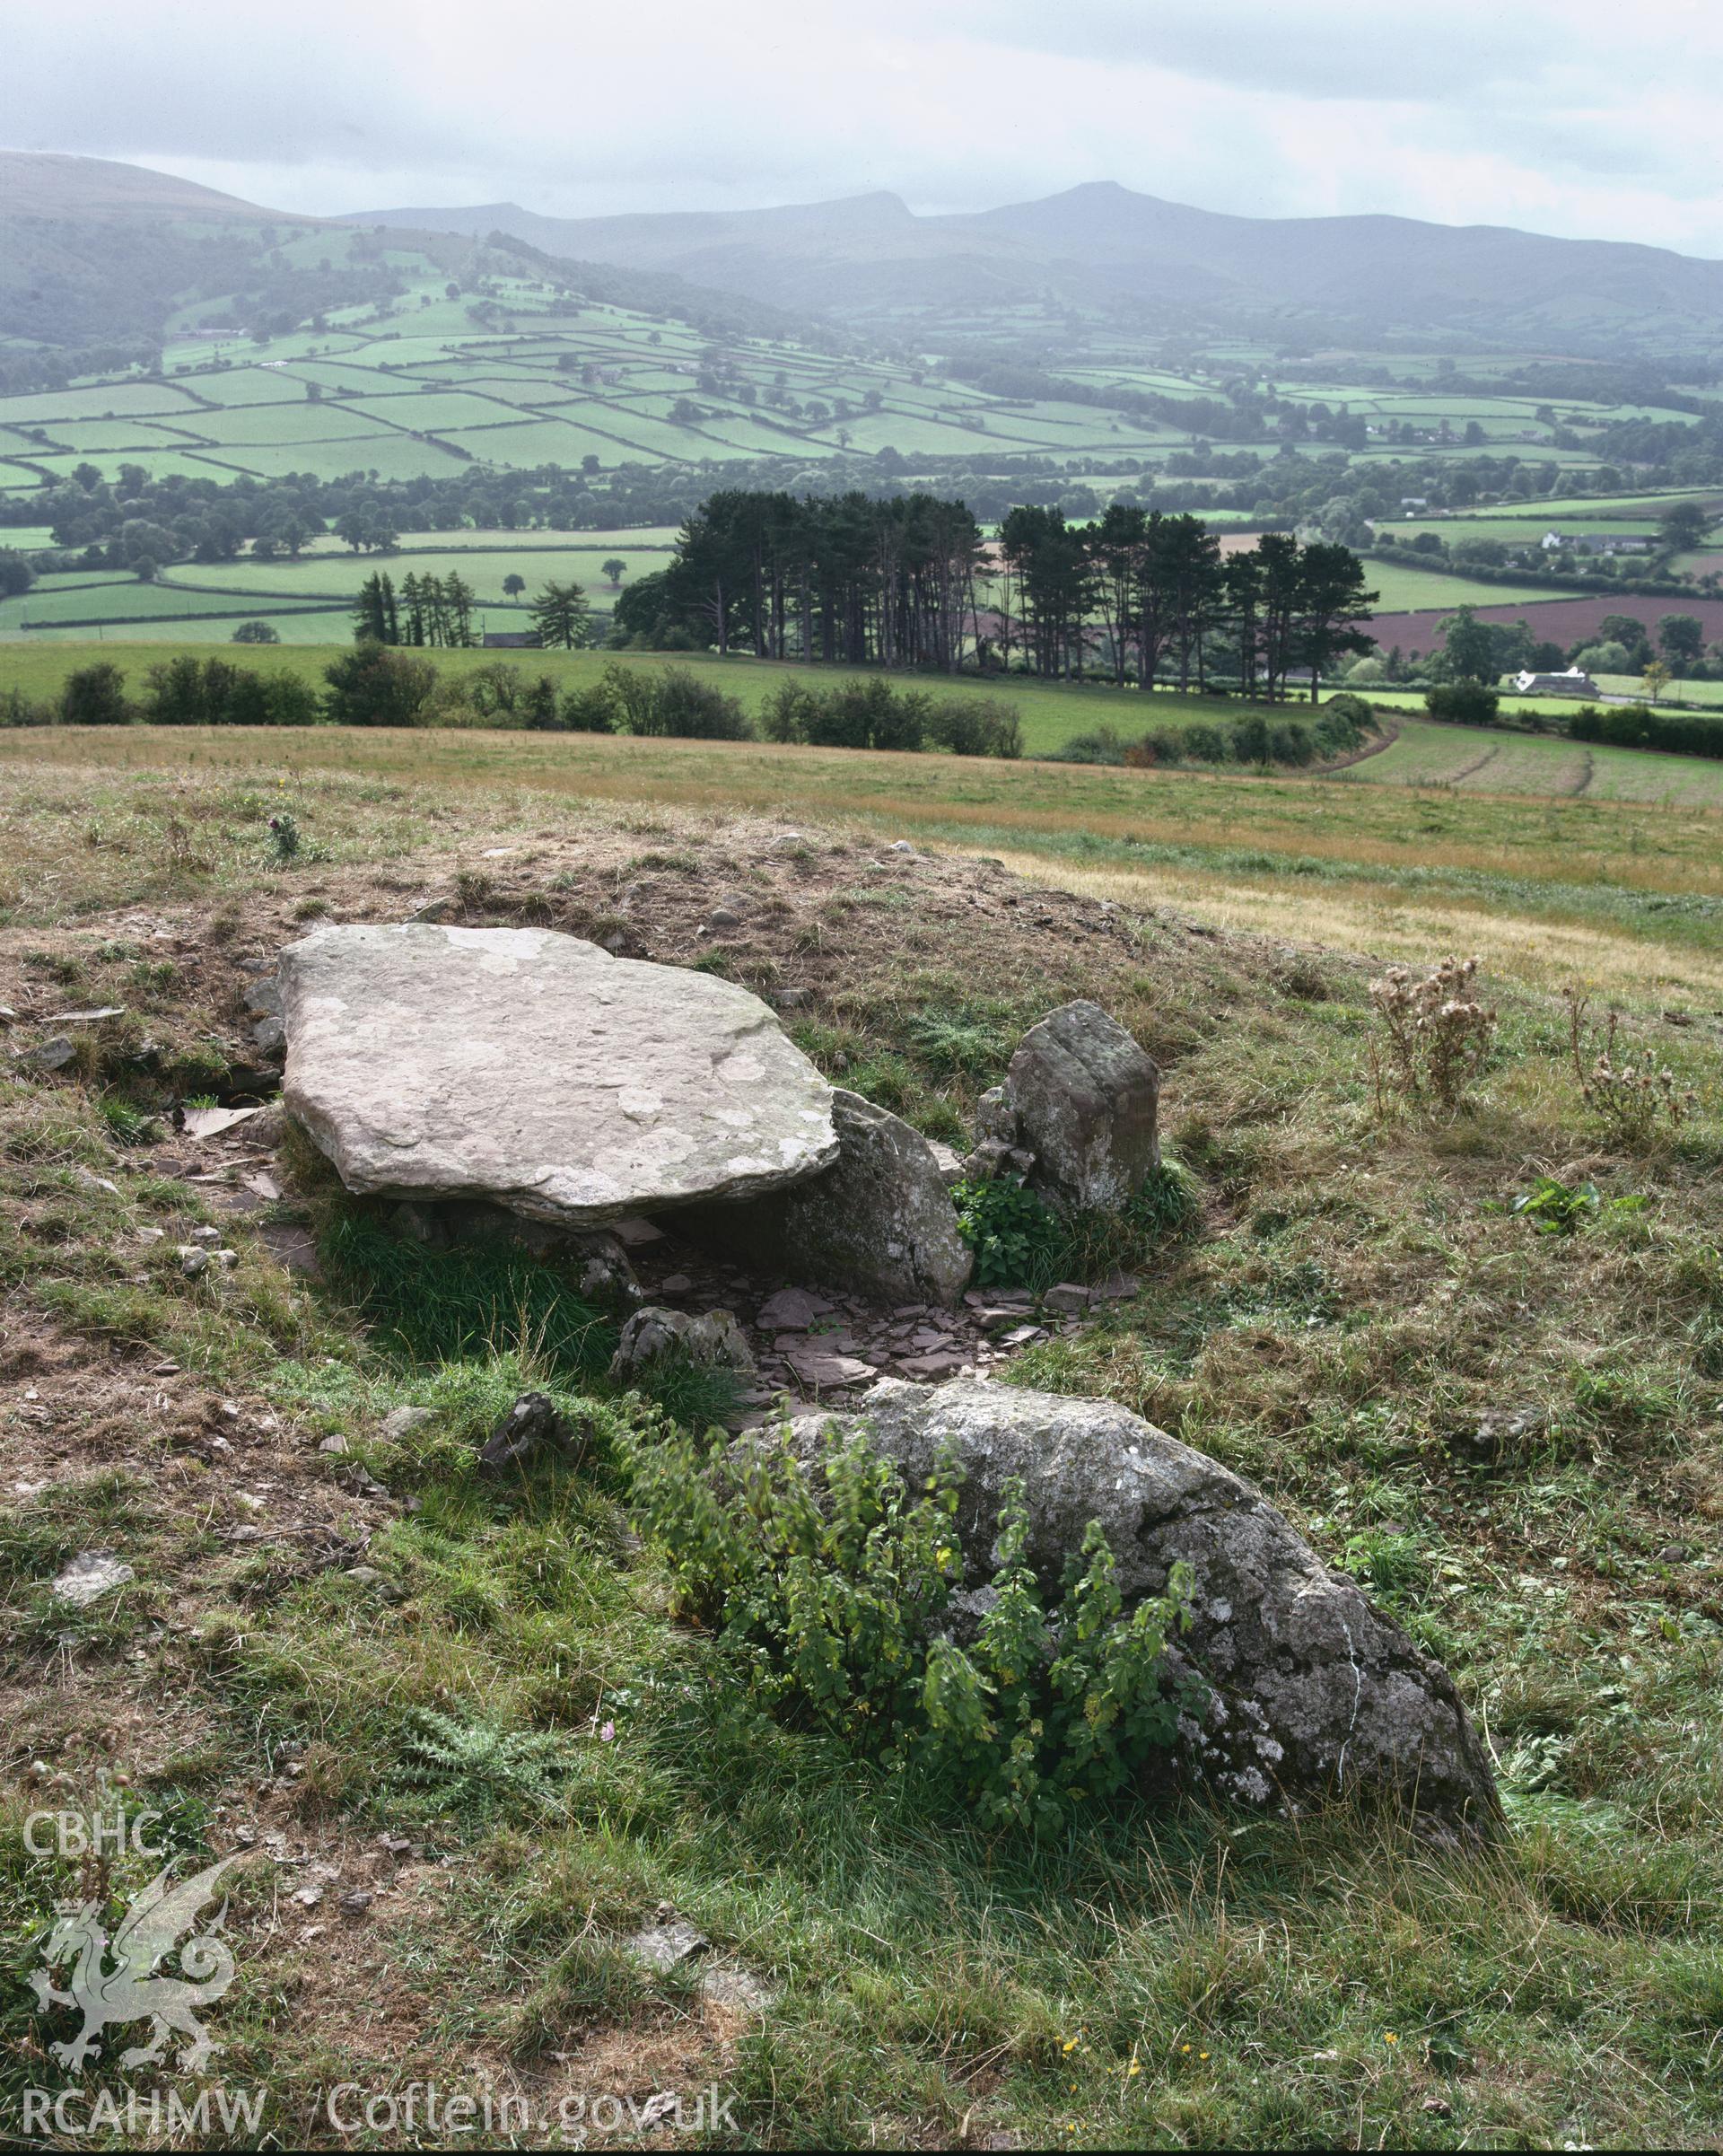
[1136, 596]
[437, 612]
[372, 685]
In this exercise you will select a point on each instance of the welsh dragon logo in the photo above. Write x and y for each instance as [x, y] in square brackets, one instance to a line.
[115, 1981]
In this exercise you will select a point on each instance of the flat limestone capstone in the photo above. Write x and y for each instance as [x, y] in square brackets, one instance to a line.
[537, 1071]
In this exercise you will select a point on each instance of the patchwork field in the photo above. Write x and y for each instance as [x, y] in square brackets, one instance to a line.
[521, 378]
[328, 571]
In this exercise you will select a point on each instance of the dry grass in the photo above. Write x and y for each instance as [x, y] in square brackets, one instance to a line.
[1384, 925]
[1624, 846]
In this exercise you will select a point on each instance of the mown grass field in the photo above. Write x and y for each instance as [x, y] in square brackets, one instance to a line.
[1476, 761]
[1405, 589]
[339, 577]
[1356, 1306]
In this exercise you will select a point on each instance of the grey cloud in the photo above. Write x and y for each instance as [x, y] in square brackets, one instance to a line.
[1538, 112]
[1293, 47]
[268, 96]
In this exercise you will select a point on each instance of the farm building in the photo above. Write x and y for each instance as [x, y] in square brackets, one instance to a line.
[1575, 682]
[1598, 542]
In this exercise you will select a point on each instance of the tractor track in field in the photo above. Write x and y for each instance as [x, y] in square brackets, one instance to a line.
[1478, 763]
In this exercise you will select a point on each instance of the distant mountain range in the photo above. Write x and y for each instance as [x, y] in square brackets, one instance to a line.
[1100, 246]
[89, 247]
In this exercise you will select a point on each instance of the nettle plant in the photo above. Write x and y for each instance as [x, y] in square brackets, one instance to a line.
[1635, 1094]
[1435, 1034]
[829, 1587]
[1018, 1239]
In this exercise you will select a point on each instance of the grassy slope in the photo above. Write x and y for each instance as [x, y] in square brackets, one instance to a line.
[1612, 888]
[1356, 1302]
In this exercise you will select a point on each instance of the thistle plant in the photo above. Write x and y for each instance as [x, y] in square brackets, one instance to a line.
[1437, 1035]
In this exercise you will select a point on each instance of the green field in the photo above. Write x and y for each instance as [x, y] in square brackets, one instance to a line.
[516, 372]
[117, 602]
[1514, 530]
[1425, 753]
[328, 570]
[544, 379]
[1405, 589]
[1052, 713]
[287, 592]
[1701, 696]
[339, 576]
[1473, 761]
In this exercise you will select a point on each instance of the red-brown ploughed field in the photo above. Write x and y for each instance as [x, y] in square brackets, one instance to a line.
[1556, 620]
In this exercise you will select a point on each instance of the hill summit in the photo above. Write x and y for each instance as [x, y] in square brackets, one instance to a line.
[1103, 246]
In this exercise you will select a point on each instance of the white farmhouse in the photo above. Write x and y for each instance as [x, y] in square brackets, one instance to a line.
[1574, 682]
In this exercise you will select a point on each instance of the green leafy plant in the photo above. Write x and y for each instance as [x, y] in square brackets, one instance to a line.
[473, 1770]
[1018, 1239]
[828, 1586]
[284, 837]
[1554, 1208]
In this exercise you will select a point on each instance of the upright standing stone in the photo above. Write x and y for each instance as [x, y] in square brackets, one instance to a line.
[1084, 1095]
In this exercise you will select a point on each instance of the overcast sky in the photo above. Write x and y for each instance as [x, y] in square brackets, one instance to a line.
[1587, 118]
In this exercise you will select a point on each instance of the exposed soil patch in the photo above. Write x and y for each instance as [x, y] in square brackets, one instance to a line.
[1558, 620]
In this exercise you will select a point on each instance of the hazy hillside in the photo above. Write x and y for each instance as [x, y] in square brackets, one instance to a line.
[1100, 244]
[46, 184]
[93, 251]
